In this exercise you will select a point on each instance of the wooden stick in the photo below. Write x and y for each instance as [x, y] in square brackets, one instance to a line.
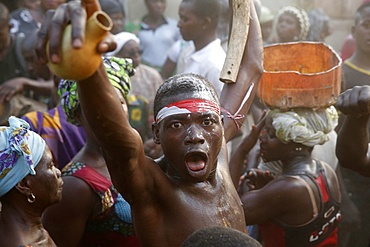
[237, 40]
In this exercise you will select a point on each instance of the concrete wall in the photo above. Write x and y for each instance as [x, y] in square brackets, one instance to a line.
[340, 12]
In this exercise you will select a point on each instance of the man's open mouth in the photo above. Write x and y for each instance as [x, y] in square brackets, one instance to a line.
[196, 161]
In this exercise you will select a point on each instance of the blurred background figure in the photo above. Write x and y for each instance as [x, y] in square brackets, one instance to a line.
[266, 19]
[157, 33]
[12, 4]
[292, 25]
[319, 25]
[170, 66]
[349, 44]
[25, 85]
[116, 11]
[224, 24]
[204, 55]
[144, 85]
[348, 47]
[146, 80]
[27, 4]
[40, 82]
[31, 15]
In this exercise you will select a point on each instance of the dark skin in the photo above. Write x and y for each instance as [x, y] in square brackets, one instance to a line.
[155, 16]
[169, 201]
[268, 196]
[287, 28]
[66, 221]
[5, 38]
[132, 50]
[44, 5]
[20, 221]
[353, 103]
[266, 29]
[239, 155]
[353, 138]
[40, 82]
[360, 57]
[361, 34]
[200, 29]
[352, 142]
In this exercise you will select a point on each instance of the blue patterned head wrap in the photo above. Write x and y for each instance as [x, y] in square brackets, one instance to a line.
[20, 152]
[118, 70]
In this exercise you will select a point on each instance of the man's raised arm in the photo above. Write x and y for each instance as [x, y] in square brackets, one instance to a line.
[234, 95]
[353, 137]
[121, 144]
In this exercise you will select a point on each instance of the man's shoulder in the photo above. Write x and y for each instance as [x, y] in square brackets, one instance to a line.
[351, 68]
[354, 75]
[214, 52]
[171, 21]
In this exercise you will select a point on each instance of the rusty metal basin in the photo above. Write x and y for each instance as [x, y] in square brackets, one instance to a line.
[300, 74]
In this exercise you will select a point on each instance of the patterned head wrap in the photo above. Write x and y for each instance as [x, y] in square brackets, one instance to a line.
[304, 125]
[20, 152]
[302, 18]
[119, 71]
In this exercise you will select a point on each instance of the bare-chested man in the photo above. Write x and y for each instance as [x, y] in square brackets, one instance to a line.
[190, 186]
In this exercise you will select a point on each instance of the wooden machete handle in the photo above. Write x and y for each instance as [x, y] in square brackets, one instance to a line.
[237, 40]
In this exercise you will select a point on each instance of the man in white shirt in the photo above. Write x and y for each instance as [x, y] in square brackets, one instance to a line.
[205, 56]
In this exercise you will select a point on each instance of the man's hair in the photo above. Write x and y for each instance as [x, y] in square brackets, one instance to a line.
[207, 8]
[220, 236]
[112, 7]
[359, 12]
[4, 15]
[181, 84]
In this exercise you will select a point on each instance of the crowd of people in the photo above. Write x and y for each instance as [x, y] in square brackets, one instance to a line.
[153, 149]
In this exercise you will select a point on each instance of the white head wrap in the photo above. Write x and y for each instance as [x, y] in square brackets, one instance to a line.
[304, 125]
[20, 152]
[266, 15]
[121, 39]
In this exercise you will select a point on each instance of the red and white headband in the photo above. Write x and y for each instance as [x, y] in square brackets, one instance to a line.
[188, 106]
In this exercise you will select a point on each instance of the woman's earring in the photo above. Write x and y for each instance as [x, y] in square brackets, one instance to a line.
[31, 198]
